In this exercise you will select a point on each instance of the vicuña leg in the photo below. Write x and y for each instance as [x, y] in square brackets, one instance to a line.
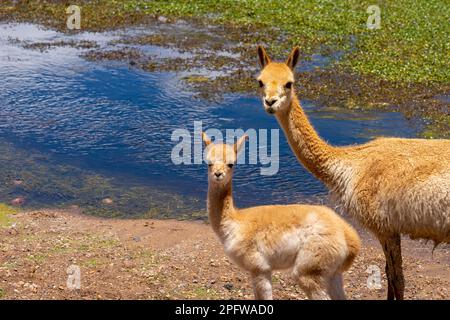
[262, 285]
[390, 285]
[311, 279]
[336, 287]
[394, 272]
[313, 286]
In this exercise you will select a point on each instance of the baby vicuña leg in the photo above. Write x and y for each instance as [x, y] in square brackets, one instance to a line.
[336, 287]
[262, 285]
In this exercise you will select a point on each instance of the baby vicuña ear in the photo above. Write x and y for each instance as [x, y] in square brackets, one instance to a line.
[238, 145]
[206, 139]
[293, 58]
[263, 57]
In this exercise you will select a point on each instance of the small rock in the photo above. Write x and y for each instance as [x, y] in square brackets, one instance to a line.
[162, 19]
[107, 201]
[137, 238]
[128, 264]
[213, 263]
[13, 231]
[17, 182]
[228, 286]
[17, 201]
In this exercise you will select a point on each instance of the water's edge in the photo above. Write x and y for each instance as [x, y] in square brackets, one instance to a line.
[98, 136]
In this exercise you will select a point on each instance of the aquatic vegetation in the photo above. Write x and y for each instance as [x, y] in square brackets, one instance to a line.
[411, 45]
[122, 54]
[404, 65]
[196, 79]
[44, 46]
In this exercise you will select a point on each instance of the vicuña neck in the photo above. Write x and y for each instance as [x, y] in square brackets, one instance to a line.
[220, 206]
[314, 153]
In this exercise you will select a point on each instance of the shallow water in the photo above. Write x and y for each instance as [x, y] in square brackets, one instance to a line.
[65, 120]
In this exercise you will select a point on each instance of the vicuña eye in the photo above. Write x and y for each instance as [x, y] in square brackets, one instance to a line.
[261, 84]
[289, 85]
[230, 165]
[210, 165]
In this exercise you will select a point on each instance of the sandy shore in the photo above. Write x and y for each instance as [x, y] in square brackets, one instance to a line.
[168, 259]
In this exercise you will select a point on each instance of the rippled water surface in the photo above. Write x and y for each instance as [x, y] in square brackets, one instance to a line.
[77, 132]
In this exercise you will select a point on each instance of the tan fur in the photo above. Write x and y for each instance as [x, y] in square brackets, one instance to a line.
[393, 186]
[312, 241]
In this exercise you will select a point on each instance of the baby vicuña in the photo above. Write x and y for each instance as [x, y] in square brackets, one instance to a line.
[312, 241]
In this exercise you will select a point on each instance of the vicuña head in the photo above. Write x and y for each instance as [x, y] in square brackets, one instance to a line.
[221, 159]
[277, 81]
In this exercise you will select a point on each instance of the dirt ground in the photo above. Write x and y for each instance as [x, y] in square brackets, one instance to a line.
[168, 259]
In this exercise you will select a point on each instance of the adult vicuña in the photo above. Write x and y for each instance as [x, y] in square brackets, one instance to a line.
[312, 241]
[392, 186]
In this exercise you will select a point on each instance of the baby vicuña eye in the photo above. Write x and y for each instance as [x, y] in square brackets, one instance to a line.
[288, 85]
[230, 165]
[261, 84]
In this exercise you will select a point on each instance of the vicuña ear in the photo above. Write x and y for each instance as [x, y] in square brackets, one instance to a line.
[238, 145]
[293, 58]
[206, 139]
[263, 57]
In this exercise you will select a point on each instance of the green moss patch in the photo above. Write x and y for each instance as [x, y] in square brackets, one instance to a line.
[5, 213]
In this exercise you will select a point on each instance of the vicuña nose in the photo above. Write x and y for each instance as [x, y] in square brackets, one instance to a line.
[217, 174]
[270, 102]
